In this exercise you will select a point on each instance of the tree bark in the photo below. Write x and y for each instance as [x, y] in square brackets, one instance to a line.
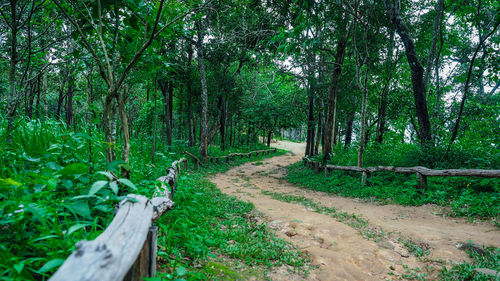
[155, 121]
[310, 123]
[348, 133]
[204, 93]
[319, 129]
[12, 100]
[417, 73]
[382, 109]
[222, 129]
[69, 103]
[166, 88]
[122, 101]
[333, 89]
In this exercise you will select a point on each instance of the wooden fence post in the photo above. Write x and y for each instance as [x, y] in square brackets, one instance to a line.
[422, 181]
[364, 176]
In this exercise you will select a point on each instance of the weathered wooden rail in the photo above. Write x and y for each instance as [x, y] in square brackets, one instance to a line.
[229, 157]
[421, 172]
[126, 250]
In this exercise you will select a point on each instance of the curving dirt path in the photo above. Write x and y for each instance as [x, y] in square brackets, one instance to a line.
[339, 251]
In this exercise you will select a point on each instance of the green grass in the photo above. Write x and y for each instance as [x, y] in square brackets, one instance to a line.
[466, 271]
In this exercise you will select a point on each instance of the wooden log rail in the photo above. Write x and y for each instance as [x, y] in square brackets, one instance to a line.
[421, 172]
[229, 157]
[126, 250]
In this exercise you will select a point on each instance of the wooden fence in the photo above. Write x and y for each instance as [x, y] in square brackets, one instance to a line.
[126, 250]
[421, 172]
[229, 157]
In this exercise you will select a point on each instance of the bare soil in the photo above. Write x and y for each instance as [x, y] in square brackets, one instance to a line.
[339, 251]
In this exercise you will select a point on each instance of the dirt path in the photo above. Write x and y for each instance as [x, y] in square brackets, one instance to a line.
[338, 249]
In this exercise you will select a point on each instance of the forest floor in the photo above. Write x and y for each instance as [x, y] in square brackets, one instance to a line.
[390, 242]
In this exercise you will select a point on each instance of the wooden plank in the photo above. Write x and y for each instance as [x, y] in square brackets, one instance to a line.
[110, 256]
[421, 170]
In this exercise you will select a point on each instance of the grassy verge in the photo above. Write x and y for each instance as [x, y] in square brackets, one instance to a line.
[210, 235]
[474, 198]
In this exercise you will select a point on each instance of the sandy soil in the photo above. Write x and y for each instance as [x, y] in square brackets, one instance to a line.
[338, 250]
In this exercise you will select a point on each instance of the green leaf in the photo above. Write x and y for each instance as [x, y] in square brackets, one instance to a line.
[128, 183]
[180, 271]
[74, 169]
[9, 181]
[76, 227]
[80, 208]
[19, 267]
[50, 265]
[114, 187]
[98, 185]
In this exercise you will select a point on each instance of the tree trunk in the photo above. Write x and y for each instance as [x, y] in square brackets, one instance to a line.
[122, 100]
[170, 123]
[319, 129]
[204, 94]
[348, 133]
[69, 103]
[269, 135]
[107, 126]
[155, 121]
[310, 123]
[12, 101]
[435, 33]
[362, 135]
[382, 108]
[333, 89]
[192, 131]
[166, 88]
[222, 108]
[417, 73]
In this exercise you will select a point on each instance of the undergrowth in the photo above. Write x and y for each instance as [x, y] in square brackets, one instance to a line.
[55, 190]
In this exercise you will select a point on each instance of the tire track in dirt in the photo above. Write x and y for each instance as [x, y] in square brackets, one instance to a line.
[338, 250]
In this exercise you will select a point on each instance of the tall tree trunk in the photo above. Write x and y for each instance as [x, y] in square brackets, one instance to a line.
[155, 121]
[310, 123]
[269, 135]
[90, 98]
[348, 133]
[417, 72]
[107, 123]
[333, 89]
[204, 93]
[12, 100]
[222, 129]
[319, 129]
[435, 34]
[122, 101]
[69, 103]
[170, 123]
[382, 108]
[38, 95]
